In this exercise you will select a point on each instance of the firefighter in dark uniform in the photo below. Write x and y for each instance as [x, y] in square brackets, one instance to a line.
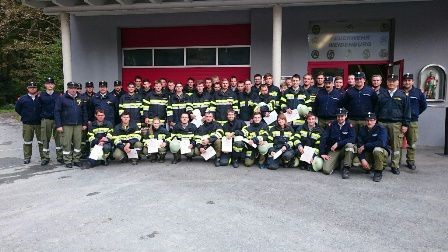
[274, 91]
[247, 101]
[307, 135]
[233, 129]
[131, 102]
[394, 113]
[293, 97]
[47, 101]
[418, 104]
[256, 135]
[337, 142]
[126, 137]
[182, 130]
[178, 104]
[155, 105]
[281, 136]
[310, 89]
[209, 134]
[159, 132]
[105, 101]
[222, 101]
[70, 119]
[190, 87]
[327, 102]
[117, 92]
[86, 98]
[265, 102]
[200, 99]
[359, 100]
[29, 108]
[372, 146]
[100, 133]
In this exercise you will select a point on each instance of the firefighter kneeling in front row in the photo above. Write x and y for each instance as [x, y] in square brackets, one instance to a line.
[159, 133]
[256, 135]
[126, 137]
[233, 130]
[372, 146]
[281, 137]
[100, 133]
[209, 134]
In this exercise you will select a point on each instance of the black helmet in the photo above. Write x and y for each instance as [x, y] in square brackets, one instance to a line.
[49, 80]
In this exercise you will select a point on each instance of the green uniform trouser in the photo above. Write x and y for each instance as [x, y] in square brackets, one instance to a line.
[323, 123]
[217, 145]
[85, 145]
[161, 151]
[396, 141]
[377, 157]
[357, 124]
[347, 152]
[120, 154]
[71, 140]
[47, 131]
[28, 132]
[411, 137]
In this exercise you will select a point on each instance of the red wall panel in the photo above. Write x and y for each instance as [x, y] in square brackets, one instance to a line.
[181, 74]
[210, 35]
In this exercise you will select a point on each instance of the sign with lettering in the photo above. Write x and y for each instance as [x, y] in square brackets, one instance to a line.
[347, 41]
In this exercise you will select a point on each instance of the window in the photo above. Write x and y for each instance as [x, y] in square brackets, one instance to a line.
[201, 56]
[169, 57]
[234, 56]
[138, 57]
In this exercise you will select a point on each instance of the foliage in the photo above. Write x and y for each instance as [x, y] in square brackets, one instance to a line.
[30, 49]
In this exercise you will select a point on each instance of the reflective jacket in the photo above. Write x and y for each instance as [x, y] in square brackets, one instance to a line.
[336, 134]
[160, 134]
[179, 131]
[69, 111]
[308, 137]
[256, 132]
[235, 126]
[133, 105]
[176, 106]
[266, 99]
[155, 104]
[312, 93]
[126, 134]
[274, 92]
[221, 102]
[292, 98]
[280, 137]
[211, 130]
[97, 130]
[200, 101]
[247, 103]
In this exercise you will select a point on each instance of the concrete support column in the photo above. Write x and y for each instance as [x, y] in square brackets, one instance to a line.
[277, 44]
[66, 48]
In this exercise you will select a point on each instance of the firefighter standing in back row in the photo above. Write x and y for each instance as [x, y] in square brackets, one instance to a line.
[47, 101]
[28, 107]
[418, 104]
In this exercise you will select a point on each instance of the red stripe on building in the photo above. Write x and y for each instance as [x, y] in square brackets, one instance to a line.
[211, 35]
[181, 74]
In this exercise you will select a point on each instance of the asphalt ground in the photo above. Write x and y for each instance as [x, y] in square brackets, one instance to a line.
[194, 206]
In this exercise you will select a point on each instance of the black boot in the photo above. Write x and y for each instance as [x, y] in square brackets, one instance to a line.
[411, 165]
[217, 164]
[235, 163]
[377, 176]
[153, 158]
[44, 162]
[176, 158]
[161, 158]
[345, 172]
[395, 171]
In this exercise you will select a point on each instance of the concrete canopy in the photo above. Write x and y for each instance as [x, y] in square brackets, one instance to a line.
[120, 7]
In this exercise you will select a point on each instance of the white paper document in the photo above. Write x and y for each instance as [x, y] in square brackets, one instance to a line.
[247, 141]
[209, 153]
[238, 138]
[96, 153]
[293, 116]
[226, 145]
[153, 145]
[307, 155]
[271, 118]
[278, 154]
[184, 143]
[197, 118]
[132, 154]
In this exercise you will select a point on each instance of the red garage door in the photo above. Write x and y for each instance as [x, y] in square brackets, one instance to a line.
[177, 53]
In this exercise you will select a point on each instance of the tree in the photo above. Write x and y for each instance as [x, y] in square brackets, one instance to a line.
[30, 48]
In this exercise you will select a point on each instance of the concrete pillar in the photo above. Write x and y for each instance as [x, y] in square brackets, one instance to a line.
[66, 48]
[277, 44]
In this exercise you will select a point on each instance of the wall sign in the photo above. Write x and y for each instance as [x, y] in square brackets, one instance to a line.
[432, 81]
[349, 41]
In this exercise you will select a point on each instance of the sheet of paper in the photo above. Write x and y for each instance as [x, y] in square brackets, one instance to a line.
[184, 143]
[153, 145]
[226, 145]
[197, 122]
[278, 154]
[209, 153]
[247, 123]
[293, 116]
[247, 141]
[307, 155]
[198, 118]
[96, 153]
[132, 154]
[271, 118]
[238, 138]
